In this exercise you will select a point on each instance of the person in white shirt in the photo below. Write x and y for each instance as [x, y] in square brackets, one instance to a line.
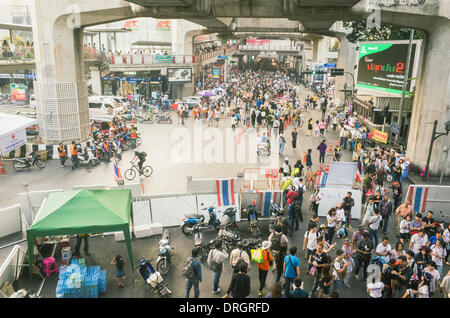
[404, 229]
[331, 220]
[368, 211]
[374, 224]
[375, 289]
[417, 241]
[438, 254]
[434, 284]
[445, 286]
[310, 242]
[383, 251]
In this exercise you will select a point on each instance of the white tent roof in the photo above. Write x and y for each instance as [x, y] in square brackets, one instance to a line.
[12, 123]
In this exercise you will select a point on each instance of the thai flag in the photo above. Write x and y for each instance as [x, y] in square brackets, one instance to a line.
[225, 192]
[359, 170]
[117, 174]
[417, 196]
[264, 201]
[322, 180]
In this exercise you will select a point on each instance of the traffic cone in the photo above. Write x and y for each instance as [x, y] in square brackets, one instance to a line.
[2, 168]
[327, 168]
[330, 147]
[285, 125]
[304, 158]
[132, 119]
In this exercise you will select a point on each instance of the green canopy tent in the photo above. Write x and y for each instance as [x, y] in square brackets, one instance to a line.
[82, 211]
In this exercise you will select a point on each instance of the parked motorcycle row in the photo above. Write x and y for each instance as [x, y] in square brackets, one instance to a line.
[195, 224]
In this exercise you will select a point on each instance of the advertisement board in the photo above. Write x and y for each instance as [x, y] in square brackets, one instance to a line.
[163, 26]
[382, 66]
[379, 136]
[216, 72]
[179, 75]
[18, 91]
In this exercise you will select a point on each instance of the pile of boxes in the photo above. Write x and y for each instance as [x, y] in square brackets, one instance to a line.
[80, 281]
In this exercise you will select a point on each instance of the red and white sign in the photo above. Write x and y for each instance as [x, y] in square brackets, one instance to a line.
[257, 41]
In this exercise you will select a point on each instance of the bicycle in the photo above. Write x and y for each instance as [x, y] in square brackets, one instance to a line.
[131, 173]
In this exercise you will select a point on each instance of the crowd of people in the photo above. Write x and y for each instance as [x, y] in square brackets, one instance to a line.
[410, 265]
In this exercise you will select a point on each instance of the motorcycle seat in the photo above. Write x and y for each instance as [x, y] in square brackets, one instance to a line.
[195, 216]
[250, 241]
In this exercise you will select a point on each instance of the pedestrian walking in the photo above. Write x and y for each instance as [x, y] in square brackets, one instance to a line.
[193, 273]
[216, 257]
[294, 138]
[322, 150]
[263, 268]
[81, 237]
[240, 283]
[291, 269]
[282, 143]
[309, 160]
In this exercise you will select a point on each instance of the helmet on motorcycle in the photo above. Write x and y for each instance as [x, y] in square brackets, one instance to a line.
[253, 202]
[286, 159]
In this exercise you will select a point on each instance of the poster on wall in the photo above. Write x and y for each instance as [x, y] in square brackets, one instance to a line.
[18, 92]
[382, 66]
[379, 136]
[179, 75]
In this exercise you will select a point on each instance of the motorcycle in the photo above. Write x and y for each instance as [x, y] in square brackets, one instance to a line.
[164, 117]
[254, 227]
[230, 214]
[251, 244]
[20, 163]
[192, 219]
[165, 254]
[199, 242]
[88, 158]
[228, 238]
[152, 277]
[146, 119]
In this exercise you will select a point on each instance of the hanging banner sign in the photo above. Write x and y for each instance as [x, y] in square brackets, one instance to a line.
[379, 136]
[163, 26]
[13, 141]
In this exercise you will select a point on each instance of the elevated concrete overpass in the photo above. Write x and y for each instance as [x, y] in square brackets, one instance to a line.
[58, 31]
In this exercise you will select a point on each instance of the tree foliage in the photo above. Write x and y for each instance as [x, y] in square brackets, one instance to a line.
[360, 32]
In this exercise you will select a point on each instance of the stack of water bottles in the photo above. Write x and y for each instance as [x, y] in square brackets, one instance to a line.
[80, 281]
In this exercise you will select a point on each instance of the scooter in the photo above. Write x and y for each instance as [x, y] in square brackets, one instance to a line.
[20, 163]
[275, 211]
[152, 277]
[164, 117]
[192, 219]
[254, 227]
[199, 242]
[165, 254]
[87, 158]
[146, 118]
[230, 214]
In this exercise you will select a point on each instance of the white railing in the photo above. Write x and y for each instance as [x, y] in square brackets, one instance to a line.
[147, 59]
[270, 47]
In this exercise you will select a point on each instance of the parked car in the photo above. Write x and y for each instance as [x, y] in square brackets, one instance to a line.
[192, 101]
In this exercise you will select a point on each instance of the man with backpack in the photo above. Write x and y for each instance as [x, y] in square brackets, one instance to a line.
[237, 256]
[310, 242]
[193, 273]
[277, 239]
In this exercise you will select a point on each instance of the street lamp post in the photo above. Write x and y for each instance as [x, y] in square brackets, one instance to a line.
[435, 135]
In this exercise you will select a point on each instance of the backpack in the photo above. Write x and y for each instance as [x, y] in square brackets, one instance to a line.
[276, 241]
[188, 269]
[300, 191]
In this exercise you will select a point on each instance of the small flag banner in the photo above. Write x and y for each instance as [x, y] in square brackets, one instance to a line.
[417, 196]
[117, 174]
[225, 192]
[265, 198]
[322, 180]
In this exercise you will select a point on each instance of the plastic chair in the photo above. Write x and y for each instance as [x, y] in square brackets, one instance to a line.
[50, 266]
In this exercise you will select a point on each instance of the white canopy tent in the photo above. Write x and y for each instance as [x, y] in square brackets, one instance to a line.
[12, 131]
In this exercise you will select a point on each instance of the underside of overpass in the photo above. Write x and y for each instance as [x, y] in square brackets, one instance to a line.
[62, 105]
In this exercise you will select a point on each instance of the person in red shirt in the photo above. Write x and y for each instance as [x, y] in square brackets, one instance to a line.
[291, 196]
[264, 267]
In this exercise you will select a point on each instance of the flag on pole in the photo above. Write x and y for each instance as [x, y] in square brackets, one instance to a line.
[265, 199]
[225, 192]
[417, 196]
[359, 170]
[117, 174]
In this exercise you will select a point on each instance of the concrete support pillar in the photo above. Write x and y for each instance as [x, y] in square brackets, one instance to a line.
[96, 80]
[346, 60]
[315, 49]
[60, 89]
[432, 101]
